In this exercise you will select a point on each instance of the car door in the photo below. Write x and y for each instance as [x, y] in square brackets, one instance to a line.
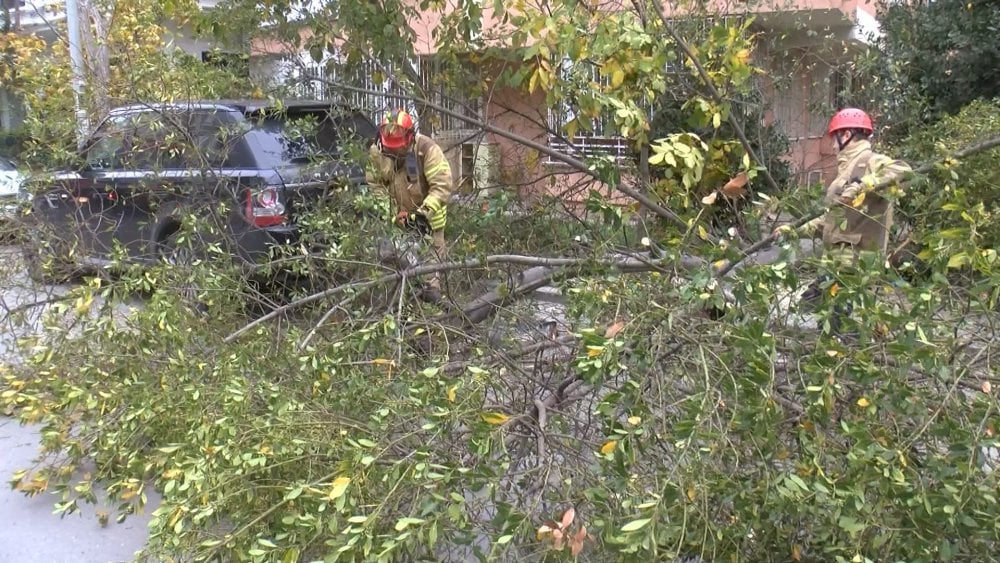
[119, 161]
[139, 169]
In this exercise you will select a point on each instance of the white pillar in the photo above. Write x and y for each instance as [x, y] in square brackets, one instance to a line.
[76, 61]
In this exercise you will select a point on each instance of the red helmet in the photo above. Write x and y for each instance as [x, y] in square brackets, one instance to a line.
[397, 130]
[850, 118]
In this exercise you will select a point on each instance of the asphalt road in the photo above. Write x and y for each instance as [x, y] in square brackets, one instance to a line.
[29, 531]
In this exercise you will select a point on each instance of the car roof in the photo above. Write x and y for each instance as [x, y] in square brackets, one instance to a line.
[242, 106]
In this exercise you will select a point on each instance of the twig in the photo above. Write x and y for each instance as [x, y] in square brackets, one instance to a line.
[453, 367]
[542, 418]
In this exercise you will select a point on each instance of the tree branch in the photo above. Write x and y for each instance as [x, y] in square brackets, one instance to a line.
[574, 163]
[625, 265]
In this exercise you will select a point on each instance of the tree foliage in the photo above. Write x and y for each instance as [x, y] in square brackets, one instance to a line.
[943, 54]
[140, 66]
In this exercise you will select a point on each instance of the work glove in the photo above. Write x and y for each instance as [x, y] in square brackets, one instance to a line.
[851, 192]
[435, 211]
[413, 221]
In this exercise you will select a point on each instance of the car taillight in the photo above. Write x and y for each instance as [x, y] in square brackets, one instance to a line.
[264, 207]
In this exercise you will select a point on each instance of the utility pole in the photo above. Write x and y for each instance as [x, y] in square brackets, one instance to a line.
[76, 61]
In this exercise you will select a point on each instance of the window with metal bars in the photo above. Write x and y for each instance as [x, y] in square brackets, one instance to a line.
[384, 93]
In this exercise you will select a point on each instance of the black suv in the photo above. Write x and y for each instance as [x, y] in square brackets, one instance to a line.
[245, 169]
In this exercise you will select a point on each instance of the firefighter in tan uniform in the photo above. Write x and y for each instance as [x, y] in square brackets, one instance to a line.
[416, 191]
[855, 228]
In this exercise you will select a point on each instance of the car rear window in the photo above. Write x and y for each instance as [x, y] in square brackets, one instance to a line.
[303, 136]
[164, 139]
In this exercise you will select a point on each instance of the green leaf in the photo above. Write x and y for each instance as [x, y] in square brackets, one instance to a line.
[636, 525]
[799, 482]
[294, 493]
[850, 525]
[364, 442]
[406, 522]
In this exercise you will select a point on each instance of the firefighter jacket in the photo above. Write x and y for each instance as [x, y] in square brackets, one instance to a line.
[423, 183]
[858, 218]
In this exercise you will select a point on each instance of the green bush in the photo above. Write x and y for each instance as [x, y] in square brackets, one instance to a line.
[958, 203]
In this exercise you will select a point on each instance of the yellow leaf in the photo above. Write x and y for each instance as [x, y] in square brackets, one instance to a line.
[834, 290]
[495, 418]
[692, 494]
[533, 82]
[710, 198]
[384, 362]
[339, 487]
[594, 351]
[717, 120]
[858, 200]
[796, 553]
[83, 304]
[609, 446]
[702, 232]
[451, 393]
[958, 260]
[171, 473]
[634, 420]
[617, 77]
[863, 403]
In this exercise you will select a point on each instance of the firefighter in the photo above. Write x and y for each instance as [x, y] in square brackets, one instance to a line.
[855, 227]
[410, 174]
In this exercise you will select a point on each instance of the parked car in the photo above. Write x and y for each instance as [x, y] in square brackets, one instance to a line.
[11, 197]
[147, 166]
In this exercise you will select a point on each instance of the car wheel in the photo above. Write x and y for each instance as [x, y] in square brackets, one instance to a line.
[180, 256]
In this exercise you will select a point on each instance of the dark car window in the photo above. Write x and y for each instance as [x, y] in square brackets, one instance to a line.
[298, 137]
[163, 139]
